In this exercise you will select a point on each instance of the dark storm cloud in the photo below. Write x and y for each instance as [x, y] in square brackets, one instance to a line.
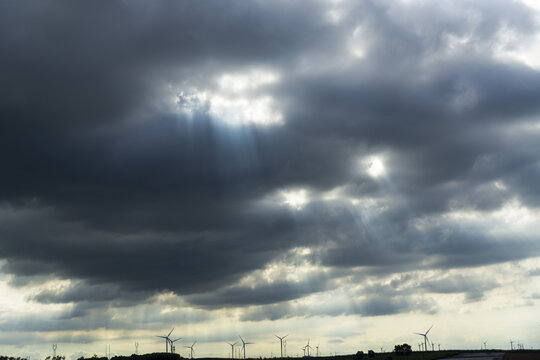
[472, 287]
[104, 184]
[262, 294]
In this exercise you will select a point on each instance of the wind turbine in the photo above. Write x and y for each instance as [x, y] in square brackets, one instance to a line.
[173, 347]
[167, 339]
[317, 347]
[244, 345]
[191, 349]
[232, 348]
[281, 342]
[308, 347]
[485, 346]
[425, 337]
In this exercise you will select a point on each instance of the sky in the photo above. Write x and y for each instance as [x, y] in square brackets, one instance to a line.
[348, 172]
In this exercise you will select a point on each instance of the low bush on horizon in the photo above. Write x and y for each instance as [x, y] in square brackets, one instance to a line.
[151, 356]
[11, 358]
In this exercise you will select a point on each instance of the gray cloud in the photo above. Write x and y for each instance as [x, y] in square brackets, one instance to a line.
[473, 288]
[104, 184]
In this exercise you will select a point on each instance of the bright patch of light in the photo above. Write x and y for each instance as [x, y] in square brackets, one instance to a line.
[334, 16]
[249, 81]
[500, 185]
[238, 99]
[241, 110]
[295, 199]
[357, 42]
[511, 46]
[375, 167]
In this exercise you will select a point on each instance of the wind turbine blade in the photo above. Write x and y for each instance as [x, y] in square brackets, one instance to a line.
[170, 332]
[286, 336]
[241, 339]
[194, 343]
[419, 334]
[164, 337]
[429, 329]
[277, 336]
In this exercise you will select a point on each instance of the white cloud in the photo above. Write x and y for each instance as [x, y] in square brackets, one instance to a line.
[238, 99]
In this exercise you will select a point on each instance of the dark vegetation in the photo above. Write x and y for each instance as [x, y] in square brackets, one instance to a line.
[401, 352]
[522, 355]
[11, 358]
[152, 356]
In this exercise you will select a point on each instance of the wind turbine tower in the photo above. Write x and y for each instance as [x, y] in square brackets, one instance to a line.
[308, 347]
[136, 348]
[317, 347]
[244, 346]
[173, 347]
[281, 342]
[425, 337]
[167, 340]
[191, 349]
[54, 347]
[232, 348]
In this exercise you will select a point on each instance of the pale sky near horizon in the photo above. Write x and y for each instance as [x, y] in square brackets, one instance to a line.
[348, 172]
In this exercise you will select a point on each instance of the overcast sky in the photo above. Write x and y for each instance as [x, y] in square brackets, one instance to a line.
[350, 172]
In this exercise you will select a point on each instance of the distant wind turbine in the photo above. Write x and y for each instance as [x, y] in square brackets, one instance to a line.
[173, 347]
[232, 348]
[425, 337]
[167, 340]
[281, 342]
[308, 347]
[191, 349]
[244, 345]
